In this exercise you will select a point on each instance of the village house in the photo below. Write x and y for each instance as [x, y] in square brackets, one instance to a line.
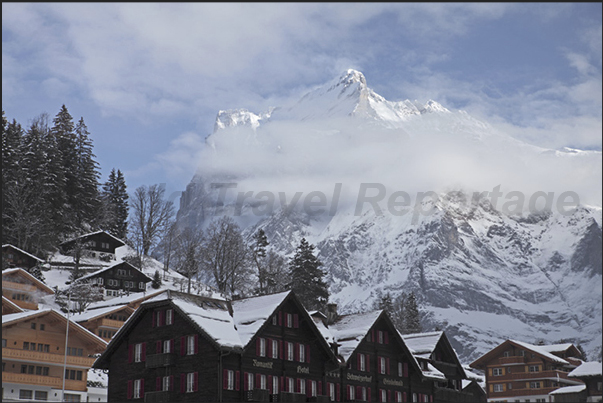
[118, 279]
[104, 322]
[590, 391]
[15, 257]
[37, 364]
[517, 370]
[99, 244]
[23, 289]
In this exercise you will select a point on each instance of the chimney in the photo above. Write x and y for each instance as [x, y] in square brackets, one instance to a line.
[331, 313]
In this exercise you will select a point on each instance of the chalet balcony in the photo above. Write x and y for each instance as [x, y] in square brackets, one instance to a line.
[36, 356]
[160, 360]
[320, 399]
[257, 395]
[512, 360]
[159, 397]
[529, 376]
[449, 370]
[39, 380]
[521, 392]
[111, 323]
[292, 397]
[9, 285]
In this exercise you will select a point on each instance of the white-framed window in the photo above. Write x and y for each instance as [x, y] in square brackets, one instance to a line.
[382, 395]
[302, 353]
[190, 382]
[522, 353]
[166, 383]
[262, 347]
[275, 386]
[382, 365]
[167, 346]
[158, 318]
[534, 385]
[169, 316]
[141, 285]
[400, 369]
[380, 336]
[250, 383]
[302, 386]
[100, 281]
[534, 368]
[275, 320]
[290, 352]
[498, 387]
[331, 391]
[230, 380]
[190, 345]
[138, 352]
[313, 388]
[291, 385]
[414, 397]
[137, 385]
[263, 384]
[289, 320]
[497, 371]
[398, 397]
[363, 391]
[362, 359]
[275, 349]
[599, 386]
[506, 354]
[121, 272]
[351, 392]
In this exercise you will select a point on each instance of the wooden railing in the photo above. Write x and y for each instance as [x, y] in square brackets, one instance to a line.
[116, 324]
[529, 376]
[9, 285]
[512, 360]
[52, 381]
[8, 353]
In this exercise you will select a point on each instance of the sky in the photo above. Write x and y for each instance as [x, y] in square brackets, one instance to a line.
[150, 78]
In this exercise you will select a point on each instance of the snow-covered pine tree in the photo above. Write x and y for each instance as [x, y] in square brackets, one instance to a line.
[259, 242]
[87, 202]
[156, 283]
[115, 205]
[307, 277]
[412, 317]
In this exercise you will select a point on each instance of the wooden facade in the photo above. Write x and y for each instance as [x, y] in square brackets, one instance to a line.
[118, 279]
[591, 374]
[23, 289]
[104, 322]
[518, 370]
[15, 257]
[33, 356]
[97, 244]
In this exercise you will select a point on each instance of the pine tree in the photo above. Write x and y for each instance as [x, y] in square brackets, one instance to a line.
[87, 201]
[307, 277]
[259, 243]
[156, 283]
[115, 205]
[412, 317]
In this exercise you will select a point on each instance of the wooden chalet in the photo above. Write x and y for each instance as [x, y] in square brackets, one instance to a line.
[15, 257]
[517, 370]
[23, 289]
[378, 366]
[9, 307]
[34, 354]
[118, 279]
[99, 244]
[442, 371]
[591, 391]
[104, 322]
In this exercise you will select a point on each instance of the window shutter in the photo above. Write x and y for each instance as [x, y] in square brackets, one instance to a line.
[196, 343]
[295, 321]
[358, 361]
[338, 392]
[389, 395]
[257, 347]
[308, 353]
[141, 394]
[404, 396]
[130, 353]
[308, 388]
[130, 388]
[387, 365]
[196, 382]
[280, 318]
[299, 381]
[386, 335]
[225, 379]
[245, 381]
[368, 363]
[143, 355]
[296, 351]
[237, 380]
[269, 384]
[282, 388]
[373, 335]
[319, 388]
[182, 346]
[182, 383]
[358, 392]
[368, 394]
[280, 349]
[153, 318]
[158, 384]
[269, 348]
[171, 385]
[406, 370]
[257, 381]
[158, 347]
[172, 346]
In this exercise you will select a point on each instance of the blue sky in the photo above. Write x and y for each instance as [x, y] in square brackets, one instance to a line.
[150, 78]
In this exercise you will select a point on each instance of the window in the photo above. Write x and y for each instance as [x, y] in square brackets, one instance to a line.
[351, 392]
[313, 389]
[230, 381]
[249, 381]
[398, 397]
[498, 387]
[262, 351]
[25, 394]
[41, 395]
[332, 391]
[25, 345]
[262, 384]
[497, 371]
[71, 397]
[138, 352]
[534, 368]
[274, 320]
[275, 386]
[33, 325]
[121, 272]
[380, 336]
[599, 386]
[275, 349]
[75, 351]
[169, 317]
[291, 385]
[506, 354]
[3, 343]
[302, 386]
[167, 346]
[362, 362]
[414, 397]
[289, 320]
[400, 370]
[73, 374]
[382, 395]
[534, 385]
[522, 353]
[302, 353]
[289, 351]
[141, 285]
[382, 365]
[190, 382]
[137, 387]
[190, 345]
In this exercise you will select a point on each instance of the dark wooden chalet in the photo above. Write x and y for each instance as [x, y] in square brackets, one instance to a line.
[378, 366]
[98, 244]
[15, 257]
[591, 374]
[443, 374]
[120, 278]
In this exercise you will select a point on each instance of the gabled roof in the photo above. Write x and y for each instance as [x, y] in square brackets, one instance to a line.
[25, 274]
[568, 389]
[130, 300]
[96, 273]
[424, 344]
[11, 305]
[7, 245]
[96, 313]
[73, 326]
[498, 350]
[117, 240]
[587, 369]
[349, 331]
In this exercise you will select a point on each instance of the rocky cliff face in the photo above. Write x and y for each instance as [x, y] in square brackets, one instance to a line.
[481, 272]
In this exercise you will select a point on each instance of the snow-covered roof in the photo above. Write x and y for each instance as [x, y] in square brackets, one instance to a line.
[433, 373]
[250, 314]
[15, 317]
[422, 343]
[568, 389]
[349, 330]
[126, 299]
[110, 267]
[11, 304]
[26, 274]
[94, 233]
[541, 350]
[591, 368]
[95, 313]
[556, 348]
[7, 245]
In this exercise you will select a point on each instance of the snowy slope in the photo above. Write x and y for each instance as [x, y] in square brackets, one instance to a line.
[481, 274]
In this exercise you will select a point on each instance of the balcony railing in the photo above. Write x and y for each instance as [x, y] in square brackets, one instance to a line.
[160, 360]
[9, 285]
[27, 379]
[512, 360]
[158, 397]
[521, 392]
[36, 356]
[112, 323]
[529, 376]
[292, 397]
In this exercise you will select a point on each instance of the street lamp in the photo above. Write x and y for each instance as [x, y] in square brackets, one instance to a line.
[67, 338]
